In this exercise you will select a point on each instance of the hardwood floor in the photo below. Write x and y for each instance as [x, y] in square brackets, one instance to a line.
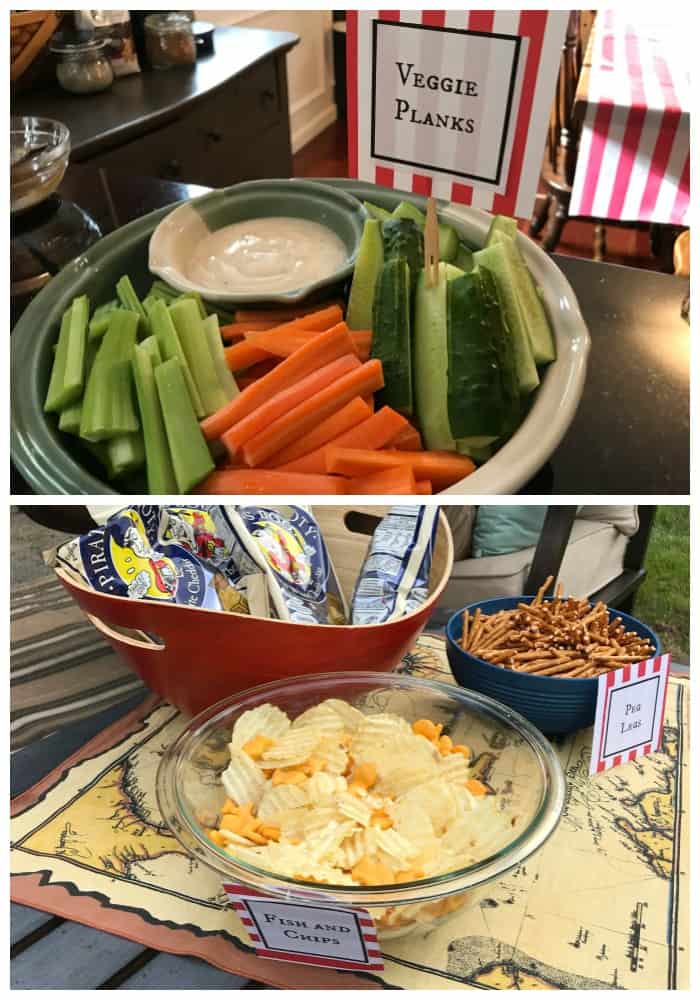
[327, 156]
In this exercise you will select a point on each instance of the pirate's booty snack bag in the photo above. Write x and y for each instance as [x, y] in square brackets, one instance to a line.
[129, 557]
[286, 543]
[395, 575]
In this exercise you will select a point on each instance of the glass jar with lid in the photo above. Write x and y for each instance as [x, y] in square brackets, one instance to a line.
[83, 64]
[169, 40]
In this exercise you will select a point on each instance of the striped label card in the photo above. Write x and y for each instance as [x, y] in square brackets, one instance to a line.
[629, 713]
[453, 104]
[317, 932]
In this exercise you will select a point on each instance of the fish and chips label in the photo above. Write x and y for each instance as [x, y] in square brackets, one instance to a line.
[394, 579]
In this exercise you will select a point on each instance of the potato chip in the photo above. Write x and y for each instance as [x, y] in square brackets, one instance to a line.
[321, 718]
[235, 838]
[267, 719]
[323, 788]
[333, 756]
[243, 780]
[279, 798]
[412, 822]
[322, 844]
[399, 848]
[455, 769]
[293, 748]
[352, 717]
[354, 808]
[350, 851]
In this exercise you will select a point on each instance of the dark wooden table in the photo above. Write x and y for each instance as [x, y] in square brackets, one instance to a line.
[631, 432]
[222, 120]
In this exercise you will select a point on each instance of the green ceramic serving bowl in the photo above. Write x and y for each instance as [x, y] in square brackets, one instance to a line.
[171, 244]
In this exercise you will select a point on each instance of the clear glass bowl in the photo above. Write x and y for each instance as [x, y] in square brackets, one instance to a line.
[518, 763]
[39, 152]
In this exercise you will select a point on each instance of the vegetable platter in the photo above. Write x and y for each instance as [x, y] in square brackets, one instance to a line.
[462, 379]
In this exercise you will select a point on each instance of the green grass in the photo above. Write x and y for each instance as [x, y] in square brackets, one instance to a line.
[663, 599]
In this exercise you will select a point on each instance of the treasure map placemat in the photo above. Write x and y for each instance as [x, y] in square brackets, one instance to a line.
[604, 904]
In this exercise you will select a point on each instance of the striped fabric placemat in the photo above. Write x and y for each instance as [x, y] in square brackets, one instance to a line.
[61, 669]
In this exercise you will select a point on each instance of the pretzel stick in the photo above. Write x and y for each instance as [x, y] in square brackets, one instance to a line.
[475, 629]
[543, 590]
[465, 629]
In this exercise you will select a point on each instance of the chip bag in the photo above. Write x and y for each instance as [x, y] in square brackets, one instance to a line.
[394, 577]
[286, 543]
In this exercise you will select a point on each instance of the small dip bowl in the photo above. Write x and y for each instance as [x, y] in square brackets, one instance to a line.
[175, 237]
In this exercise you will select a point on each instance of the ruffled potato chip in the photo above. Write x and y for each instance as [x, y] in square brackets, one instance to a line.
[266, 719]
[334, 757]
[352, 717]
[320, 717]
[399, 849]
[323, 788]
[243, 780]
[455, 769]
[354, 808]
[293, 748]
[279, 798]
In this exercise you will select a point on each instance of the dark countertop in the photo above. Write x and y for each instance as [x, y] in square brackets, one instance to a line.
[630, 435]
[144, 101]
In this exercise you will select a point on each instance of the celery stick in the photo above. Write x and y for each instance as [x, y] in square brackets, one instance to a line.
[170, 347]
[188, 323]
[152, 349]
[123, 454]
[97, 326]
[196, 297]
[74, 375]
[108, 404]
[149, 302]
[162, 290]
[216, 349]
[159, 467]
[130, 300]
[55, 390]
[190, 455]
[69, 421]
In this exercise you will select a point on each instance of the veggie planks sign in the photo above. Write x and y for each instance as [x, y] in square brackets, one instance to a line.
[453, 104]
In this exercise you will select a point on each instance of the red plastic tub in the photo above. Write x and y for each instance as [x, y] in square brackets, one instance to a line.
[203, 656]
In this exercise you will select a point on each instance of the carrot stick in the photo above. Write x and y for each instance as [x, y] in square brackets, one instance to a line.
[244, 354]
[408, 439]
[319, 351]
[262, 368]
[280, 314]
[350, 415]
[397, 480]
[267, 481]
[366, 378]
[424, 487]
[375, 432]
[285, 401]
[323, 319]
[363, 343]
[234, 331]
[442, 468]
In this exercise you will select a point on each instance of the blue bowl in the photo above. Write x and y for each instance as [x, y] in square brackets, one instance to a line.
[554, 704]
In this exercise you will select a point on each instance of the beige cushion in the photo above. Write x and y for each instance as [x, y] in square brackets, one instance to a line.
[625, 517]
[461, 520]
[593, 558]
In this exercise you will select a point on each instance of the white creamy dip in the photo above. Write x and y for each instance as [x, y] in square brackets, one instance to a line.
[274, 254]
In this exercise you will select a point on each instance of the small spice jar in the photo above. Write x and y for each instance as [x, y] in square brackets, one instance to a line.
[83, 65]
[169, 40]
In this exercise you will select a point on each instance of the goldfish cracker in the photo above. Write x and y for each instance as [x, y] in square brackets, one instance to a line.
[229, 806]
[270, 832]
[424, 727]
[410, 875]
[367, 871]
[444, 745]
[288, 776]
[312, 766]
[464, 750]
[381, 819]
[216, 838]
[256, 747]
[232, 822]
[476, 787]
[365, 774]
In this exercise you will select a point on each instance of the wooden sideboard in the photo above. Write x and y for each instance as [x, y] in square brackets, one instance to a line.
[224, 120]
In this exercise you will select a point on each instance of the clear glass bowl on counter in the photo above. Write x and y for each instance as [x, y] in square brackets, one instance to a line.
[39, 153]
[520, 766]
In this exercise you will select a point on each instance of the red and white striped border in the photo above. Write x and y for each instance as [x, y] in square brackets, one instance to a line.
[238, 894]
[607, 683]
[542, 32]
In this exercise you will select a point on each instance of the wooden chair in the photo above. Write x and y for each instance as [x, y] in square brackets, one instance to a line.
[552, 205]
